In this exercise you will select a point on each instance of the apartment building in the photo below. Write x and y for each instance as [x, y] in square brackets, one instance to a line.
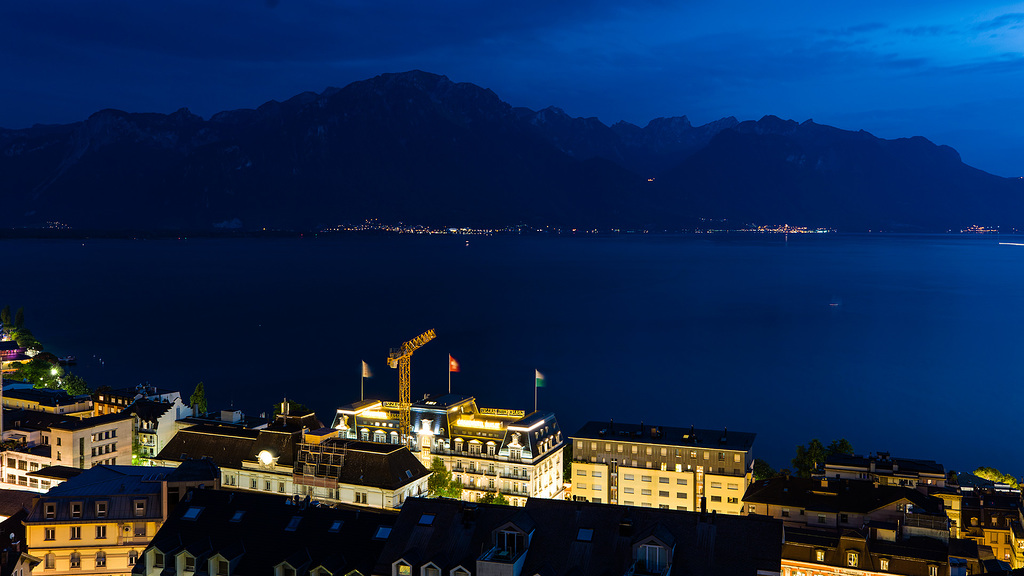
[100, 521]
[488, 450]
[661, 467]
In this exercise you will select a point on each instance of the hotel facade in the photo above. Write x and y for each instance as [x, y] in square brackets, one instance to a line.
[487, 450]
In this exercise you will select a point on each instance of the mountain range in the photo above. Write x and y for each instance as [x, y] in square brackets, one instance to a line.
[417, 148]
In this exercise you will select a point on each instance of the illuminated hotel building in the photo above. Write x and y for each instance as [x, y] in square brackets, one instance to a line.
[488, 450]
[661, 467]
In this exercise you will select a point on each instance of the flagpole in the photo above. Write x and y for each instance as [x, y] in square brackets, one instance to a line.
[535, 392]
[449, 373]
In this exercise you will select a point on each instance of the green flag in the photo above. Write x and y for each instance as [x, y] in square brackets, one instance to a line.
[540, 378]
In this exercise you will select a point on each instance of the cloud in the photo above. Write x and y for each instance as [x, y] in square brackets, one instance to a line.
[1010, 20]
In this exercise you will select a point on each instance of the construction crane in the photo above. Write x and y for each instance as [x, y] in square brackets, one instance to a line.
[399, 358]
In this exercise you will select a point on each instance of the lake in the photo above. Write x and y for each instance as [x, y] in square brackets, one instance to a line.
[906, 344]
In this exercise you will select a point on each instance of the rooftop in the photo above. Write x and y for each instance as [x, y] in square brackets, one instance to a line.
[667, 435]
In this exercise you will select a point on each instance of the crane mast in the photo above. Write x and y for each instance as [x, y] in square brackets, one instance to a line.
[399, 358]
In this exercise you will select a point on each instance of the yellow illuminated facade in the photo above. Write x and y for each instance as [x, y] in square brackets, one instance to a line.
[668, 468]
[487, 450]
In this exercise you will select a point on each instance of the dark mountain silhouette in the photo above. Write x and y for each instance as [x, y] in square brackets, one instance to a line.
[418, 148]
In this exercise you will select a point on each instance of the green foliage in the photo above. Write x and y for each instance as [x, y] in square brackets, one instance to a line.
[763, 471]
[19, 318]
[815, 453]
[5, 316]
[25, 339]
[294, 408]
[496, 498]
[440, 483]
[996, 476]
[567, 463]
[76, 385]
[38, 372]
[198, 399]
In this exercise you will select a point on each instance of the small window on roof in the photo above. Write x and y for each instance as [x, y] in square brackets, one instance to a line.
[426, 519]
[336, 525]
[382, 532]
[238, 516]
[585, 534]
[192, 513]
[293, 524]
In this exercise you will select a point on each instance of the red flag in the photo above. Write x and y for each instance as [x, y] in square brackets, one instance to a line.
[453, 364]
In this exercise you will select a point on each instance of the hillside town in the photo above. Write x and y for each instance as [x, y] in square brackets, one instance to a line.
[147, 481]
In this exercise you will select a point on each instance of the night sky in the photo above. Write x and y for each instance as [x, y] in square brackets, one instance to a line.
[950, 71]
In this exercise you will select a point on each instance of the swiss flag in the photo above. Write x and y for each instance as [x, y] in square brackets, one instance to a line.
[453, 364]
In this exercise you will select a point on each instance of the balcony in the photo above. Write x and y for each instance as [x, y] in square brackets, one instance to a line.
[639, 568]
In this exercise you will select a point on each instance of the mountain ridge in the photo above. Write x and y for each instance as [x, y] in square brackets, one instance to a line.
[417, 147]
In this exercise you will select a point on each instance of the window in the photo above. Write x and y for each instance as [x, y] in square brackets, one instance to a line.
[50, 561]
[716, 498]
[237, 517]
[628, 490]
[50, 510]
[785, 512]
[645, 478]
[133, 557]
[663, 494]
[266, 485]
[716, 484]
[733, 486]
[581, 485]
[140, 529]
[222, 568]
[993, 538]
[627, 477]
[652, 557]
[140, 508]
[585, 534]
[851, 559]
[821, 518]
[736, 457]
[293, 524]
[361, 498]
[190, 563]
[933, 570]
[733, 500]
[819, 555]
[76, 560]
[646, 492]
[404, 570]
[596, 473]
[844, 518]
[662, 480]
[680, 494]
[883, 564]
[752, 509]
[158, 559]
[101, 559]
[101, 509]
[76, 532]
[49, 533]
[597, 487]
[252, 483]
[101, 532]
[580, 472]
[681, 481]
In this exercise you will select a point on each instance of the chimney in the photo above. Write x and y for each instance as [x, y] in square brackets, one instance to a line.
[611, 425]
[703, 504]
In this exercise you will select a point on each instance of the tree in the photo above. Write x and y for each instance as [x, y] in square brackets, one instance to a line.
[294, 408]
[440, 483]
[38, 372]
[996, 476]
[567, 463]
[5, 316]
[496, 498]
[75, 385]
[763, 471]
[198, 399]
[809, 457]
[19, 318]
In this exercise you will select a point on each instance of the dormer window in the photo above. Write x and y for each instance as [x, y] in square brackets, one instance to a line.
[190, 563]
[652, 557]
[140, 508]
[76, 510]
[50, 510]
[852, 559]
[101, 509]
[402, 568]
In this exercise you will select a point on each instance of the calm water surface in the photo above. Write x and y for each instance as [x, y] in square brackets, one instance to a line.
[906, 344]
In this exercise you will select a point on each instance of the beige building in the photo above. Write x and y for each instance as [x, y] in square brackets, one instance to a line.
[87, 442]
[100, 521]
[488, 450]
[661, 467]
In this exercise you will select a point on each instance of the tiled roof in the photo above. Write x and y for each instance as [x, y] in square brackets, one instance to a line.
[387, 466]
[856, 496]
[263, 531]
[226, 446]
[570, 538]
[13, 500]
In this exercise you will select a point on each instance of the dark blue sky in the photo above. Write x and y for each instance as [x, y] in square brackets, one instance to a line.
[950, 71]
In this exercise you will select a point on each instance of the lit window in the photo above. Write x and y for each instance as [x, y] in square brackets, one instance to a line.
[883, 563]
[851, 559]
[819, 555]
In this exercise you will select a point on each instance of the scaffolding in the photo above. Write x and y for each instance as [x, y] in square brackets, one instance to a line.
[319, 465]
